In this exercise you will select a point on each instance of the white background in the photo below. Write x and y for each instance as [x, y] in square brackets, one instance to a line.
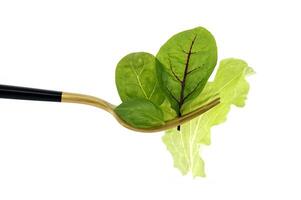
[63, 151]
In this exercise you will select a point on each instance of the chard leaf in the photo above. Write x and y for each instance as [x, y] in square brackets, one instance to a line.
[136, 78]
[140, 113]
[187, 60]
[231, 86]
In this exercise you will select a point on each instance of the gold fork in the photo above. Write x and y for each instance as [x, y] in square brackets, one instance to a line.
[24, 93]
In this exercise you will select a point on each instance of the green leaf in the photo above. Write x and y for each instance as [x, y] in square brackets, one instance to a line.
[168, 112]
[136, 78]
[231, 86]
[187, 60]
[140, 113]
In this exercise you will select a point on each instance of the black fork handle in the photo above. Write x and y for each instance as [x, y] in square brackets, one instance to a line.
[24, 93]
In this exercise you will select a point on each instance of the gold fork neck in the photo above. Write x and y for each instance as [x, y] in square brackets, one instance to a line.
[87, 100]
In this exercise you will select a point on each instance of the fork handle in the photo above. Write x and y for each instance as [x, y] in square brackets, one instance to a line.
[24, 93]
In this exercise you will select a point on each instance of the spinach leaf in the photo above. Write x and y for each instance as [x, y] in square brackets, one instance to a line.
[186, 62]
[140, 113]
[136, 78]
[168, 112]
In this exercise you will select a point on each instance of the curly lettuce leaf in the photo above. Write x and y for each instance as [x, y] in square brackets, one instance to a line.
[231, 86]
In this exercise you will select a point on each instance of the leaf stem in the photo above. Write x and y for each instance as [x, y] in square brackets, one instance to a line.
[183, 83]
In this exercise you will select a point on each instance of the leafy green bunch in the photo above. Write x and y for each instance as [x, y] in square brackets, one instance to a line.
[155, 89]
